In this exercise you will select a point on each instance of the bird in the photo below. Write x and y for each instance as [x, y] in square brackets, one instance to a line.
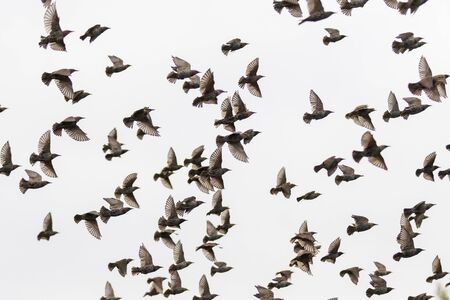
[408, 42]
[77, 96]
[187, 205]
[353, 274]
[62, 81]
[422, 296]
[330, 164]
[333, 252]
[193, 83]
[347, 5]
[291, 6]
[403, 7]
[381, 269]
[115, 209]
[121, 266]
[304, 240]
[171, 214]
[143, 121]
[167, 171]
[348, 174]
[303, 260]
[433, 86]
[316, 12]
[404, 223]
[208, 92]
[418, 209]
[156, 286]
[109, 293]
[265, 293]
[407, 247]
[179, 260]
[371, 150]
[164, 235]
[226, 225]
[90, 220]
[212, 234]
[175, 286]
[217, 207]
[234, 145]
[113, 146]
[317, 109]
[220, 267]
[196, 157]
[360, 115]
[414, 107]
[127, 190]
[44, 156]
[233, 45]
[208, 250]
[436, 268]
[428, 167]
[214, 172]
[281, 280]
[282, 185]
[447, 147]
[94, 32]
[70, 126]
[47, 228]
[147, 265]
[117, 67]
[251, 78]
[334, 37]
[444, 173]
[34, 182]
[182, 70]
[56, 35]
[309, 196]
[203, 288]
[7, 166]
[227, 108]
[393, 109]
[379, 286]
[361, 224]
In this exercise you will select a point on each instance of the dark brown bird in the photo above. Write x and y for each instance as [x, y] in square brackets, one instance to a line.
[422, 296]
[317, 109]
[406, 246]
[361, 224]
[62, 81]
[171, 214]
[226, 225]
[113, 146]
[334, 37]
[115, 209]
[233, 45]
[203, 288]
[309, 196]
[292, 7]
[168, 170]
[353, 274]
[196, 157]
[265, 293]
[212, 234]
[187, 205]
[444, 173]
[234, 145]
[193, 83]
[330, 164]
[156, 286]
[55, 35]
[7, 165]
[182, 70]
[371, 150]
[436, 268]
[414, 107]
[381, 269]
[175, 287]
[251, 78]
[94, 32]
[348, 5]
[303, 260]
[208, 93]
[360, 115]
[408, 42]
[164, 236]
[333, 252]
[34, 182]
[127, 190]
[433, 86]
[47, 228]
[418, 209]
[147, 265]
[178, 257]
[117, 67]
[70, 126]
[282, 280]
[121, 266]
[208, 250]
[316, 12]
[77, 96]
[393, 109]
[143, 121]
[90, 220]
[227, 108]
[216, 203]
[282, 185]
[403, 7]
[379, 286]
[220, 267]
[428, 167]
[348, 174]
[44, 156]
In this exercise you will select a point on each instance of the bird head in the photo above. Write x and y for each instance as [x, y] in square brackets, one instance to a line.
[66, 32]
[327, 112]
[382, 147]
[218, 92]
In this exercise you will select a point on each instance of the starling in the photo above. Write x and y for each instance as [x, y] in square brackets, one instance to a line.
[406, 246]
[371, 150]
[204, 292]
[279, 284]
[70, 126]
[47, 228]
[178, 257]
[77, 96]
[182, 70]
[414, 107]
[360, 115]
[2, 109]
[433, 86]
[147, 265]
[215, 171]
[348, 174]
[381, 269]
[216, 202]
[113, 146]
[209, 93]
[115, 209]
[90, 220]
[109, 293]
[171, 214]
[171, 167]
[444, 173]
[403, 7]
[309, 196]
[234, 144]
[428, 167]
[212, 233]
[175, 287]
[193, 83]
[248, 135]
[62, 81]
[164, 236]
[408, 42]
[265, 293]
[353, 274]
[379, 286]
[196, 157]
[316, 12]
[127, 190]
[7, 165]
[418, 209]
[55, 35]
[303, 260]
[187, 205]
[156, 286]
[422, 296]
[117, 66]
[233, 45]
[305, 239]
[361, 224]
[94, 32]
[334, 37]
[240, 112]
[121, 266]
[348, 5]
[317, 109]
[333, 252]
[45, 156]
[143, 121]
[436, 268]
[203, 185]
[393, 109]
[226, 225]
[251, 78]
[330, 164]
[282, 185]
[404, 223]
[208, 251]
[292, 7]
[220, 267]
[34, 182]
[282, 280]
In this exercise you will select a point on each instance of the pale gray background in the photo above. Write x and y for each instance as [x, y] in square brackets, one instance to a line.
[360, 69]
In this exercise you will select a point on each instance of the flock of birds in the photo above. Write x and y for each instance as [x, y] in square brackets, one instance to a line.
[209, 177]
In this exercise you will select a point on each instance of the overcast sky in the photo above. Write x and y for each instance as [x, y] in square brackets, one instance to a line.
[361, 69]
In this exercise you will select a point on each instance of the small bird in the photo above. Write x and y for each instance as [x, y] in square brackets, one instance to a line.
[208, 250]
[215, 171]
[360, 115]
[143, 121]
[265, 293]
[178, 257]
[316, 12]
[45, 156]
[393, 109]
[90, 220]
[121, 266]
[216, 202]
[251, 78]
[47, 228]
[292, 7]
[282, 185]
[171, 167]
[361, 224]
[34, 182]
[156, 286]
[317, 109]
[196, 157]
[234, 145]
[403, 7]
[227, 108]
[175, 287]
[371, 150]
[444, 173]
[226, 225]
[348, 5]
[117, 67]
[330, 164]
[433, 86]
[220, 267]
[109, 293]
[333, 252]
[113, 146]
[187, 205]
[334, 37]
[282, 280]
[164, 236]
[305, 239]
[379, 286]
[56, 35]
[353, 274]
[418, 209]
[406, 246]
[208, 93]
[203, 288]
[381, 269]
[193, 83]
[62, 81]
[348, 174]
[77, 96]
[2, 109]
[309, 196]
[279, 284]
[428, 167]
[127, 190]
[94, 32]
[408, 42]
[7, 165]
[303, 260]
[436, 268]
[212, 233]
[404, 223]
[171, 214]
[422, 296]
[115, 209]
[147, 265]
[70, 126]
[233, 45]
[182, 70]
[414, 107]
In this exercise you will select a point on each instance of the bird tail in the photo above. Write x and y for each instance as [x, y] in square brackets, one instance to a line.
[369, 292]
[415, 88]
[186, 87]
[418, 172]
[111, 266]
[167, 293]
[43, 42]
[326, 40]
[57, 130]
[217, 123]
[225, 49]
[140, 134]
[278, 7]
[156, 176]
[108, 156]
[273, 191]
[271, 285]
[357, 155]
[128, 122]
[442, 174]
[83, 37]
[403, 7]
[429, 279]
[405, 115]
[338, 179]
[351, 230]
[407, 212]
[307, 118]
[300, 198]
[397, 47]
[46, 78]
[213, 270]
[135, 270]
[157, 236]
[105, 214]
[23, 186]
[386, 116]
[318, 168]
[77, 218]
[241, 82]
[105, 148]
[186, 162]
[220, 140]
[33, 158]
[347, 12]
[397, 256]
[172, 77]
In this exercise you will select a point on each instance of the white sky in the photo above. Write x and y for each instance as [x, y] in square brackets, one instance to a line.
[360, 69]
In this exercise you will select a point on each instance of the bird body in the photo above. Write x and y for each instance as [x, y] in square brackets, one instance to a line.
[94, 32]
[428, 167]
[334, 36]
[56, 35]
[34, 182]
[117, 67]
[371, 150]
[233, 45]
[69, 125]
[7, 166]
[282, 185]
[318, 112]
[47, 228]
[291, 6]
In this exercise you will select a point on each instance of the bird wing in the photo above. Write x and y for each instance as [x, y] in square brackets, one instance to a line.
[109, 292]
[217, 199]
[226, 109]
[5, 154]
[413, 101]
[295, 9]
[378, 161]
[77, 134]
[303, 228]
[367, 140]
[209, 254]
[117, 62]
[112, 139]
[47, 225]
[44, 143]
[195, 79]
[252, 67]
[215, 161]
[170, 209]
[129, 180]
[145, 256]
[424, 68]
[181, 64]
[360, 220]
[334, 246]
[225, 217]
[333, 32]
[281, 177]
[364, 121]
[203, 286]
[178, 253]
[429, 160]
[254, 89]
[393, 103]
[33, 176]
[48, 169]
[234, 41]
[207, 82]
[316, 103]
[405, 36]
[238, 104]
[346, 170]
[377, 282]
[264, 293]
[404, 222]
[436, 265]
[315, 7]
[391, 3]
[51, 19]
